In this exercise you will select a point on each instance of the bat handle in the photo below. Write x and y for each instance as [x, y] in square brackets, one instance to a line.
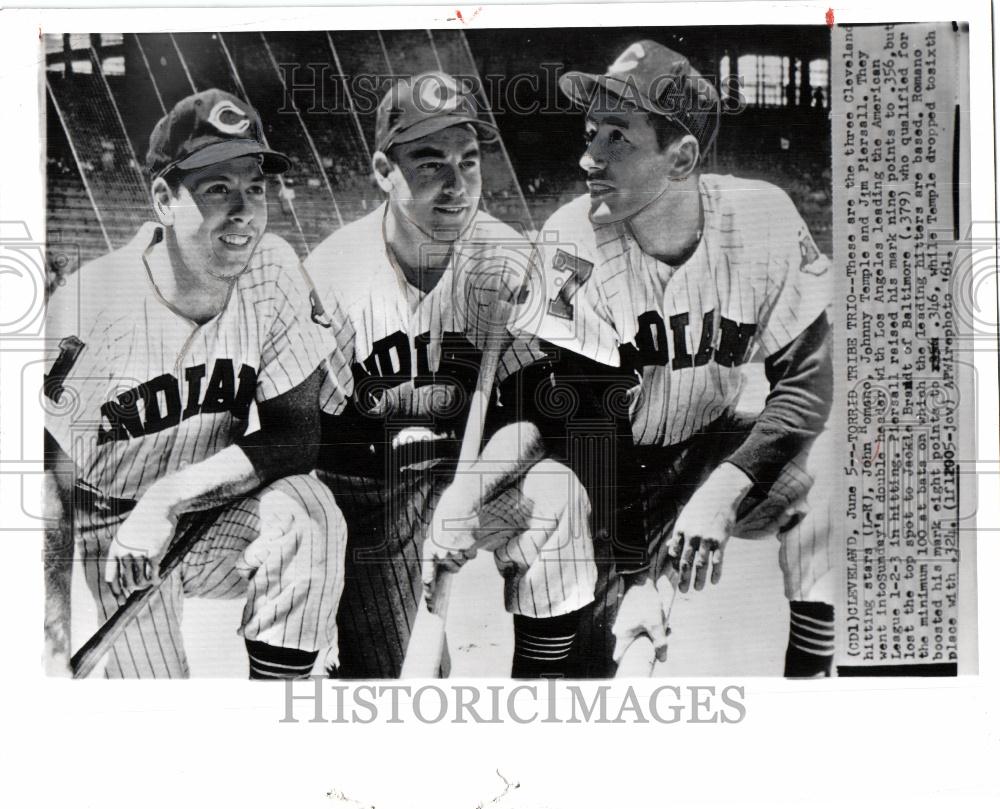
[639, 659]
[425, 650]
[89, 655]
[441, 595]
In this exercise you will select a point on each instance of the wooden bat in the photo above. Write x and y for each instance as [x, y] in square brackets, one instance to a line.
[639, 658]
[89, 655]
[426, 647]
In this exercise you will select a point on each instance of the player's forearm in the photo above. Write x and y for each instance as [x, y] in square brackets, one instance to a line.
[288, 439]
[292, 449]
[801, 377]
[217, 480]
[505, 459]
[256, 459]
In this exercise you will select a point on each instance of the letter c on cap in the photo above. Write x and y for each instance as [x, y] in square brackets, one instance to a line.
[439, 95]
[238, 127]
[628, 60]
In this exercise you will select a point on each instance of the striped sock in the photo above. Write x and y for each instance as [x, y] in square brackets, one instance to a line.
[278, 663]
[811, 640]
[541, 645]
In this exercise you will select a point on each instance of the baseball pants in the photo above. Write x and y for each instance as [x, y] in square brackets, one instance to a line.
[650, 493]
[282, 548]
[537, 530]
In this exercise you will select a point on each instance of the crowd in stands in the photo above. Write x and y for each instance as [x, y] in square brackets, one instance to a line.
[304, 215]
[809, 184]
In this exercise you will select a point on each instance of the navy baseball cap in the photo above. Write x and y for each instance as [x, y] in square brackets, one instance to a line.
[652, 77]
[421, 105]
[207, 128]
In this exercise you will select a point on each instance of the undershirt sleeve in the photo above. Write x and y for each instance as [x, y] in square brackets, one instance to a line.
[796, 410]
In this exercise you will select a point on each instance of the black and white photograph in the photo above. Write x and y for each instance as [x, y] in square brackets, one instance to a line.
[557, 297]
[505, 365]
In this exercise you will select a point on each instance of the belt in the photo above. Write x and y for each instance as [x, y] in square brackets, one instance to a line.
[375, 460]
[421, 453]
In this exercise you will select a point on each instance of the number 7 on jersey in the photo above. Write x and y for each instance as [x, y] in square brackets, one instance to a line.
[579, 271]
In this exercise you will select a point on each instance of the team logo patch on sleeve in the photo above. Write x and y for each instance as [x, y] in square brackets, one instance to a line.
[810, 254]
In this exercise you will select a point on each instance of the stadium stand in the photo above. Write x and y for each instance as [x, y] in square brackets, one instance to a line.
[98, 194]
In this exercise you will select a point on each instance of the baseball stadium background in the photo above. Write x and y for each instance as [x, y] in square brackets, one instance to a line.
[316, 93]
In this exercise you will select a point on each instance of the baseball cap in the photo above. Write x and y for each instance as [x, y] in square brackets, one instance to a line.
[206, 128]
[658, 80]
[421, 105]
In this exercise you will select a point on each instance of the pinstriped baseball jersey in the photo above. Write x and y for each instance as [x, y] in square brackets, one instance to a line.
[281, 547]
[138, 391]
[419, 351]
[412, 360]
[754, 283]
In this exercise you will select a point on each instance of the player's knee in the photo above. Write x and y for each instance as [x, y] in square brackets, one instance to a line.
[788, 499]
[312, 509]
[769, 518]
[810, 473]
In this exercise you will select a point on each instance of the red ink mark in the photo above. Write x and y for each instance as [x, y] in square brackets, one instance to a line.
[475, 14]
[878, 449]
[829, 17]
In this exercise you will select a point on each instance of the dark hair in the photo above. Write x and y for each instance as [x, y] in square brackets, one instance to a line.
[173, 180]
[392, 153]
[667, 132]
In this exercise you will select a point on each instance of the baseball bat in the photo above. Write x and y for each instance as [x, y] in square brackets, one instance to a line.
[89, 655]
[427, 640]
[639, 658]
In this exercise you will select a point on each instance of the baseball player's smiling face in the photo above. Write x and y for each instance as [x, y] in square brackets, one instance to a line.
[437, 182]
[626, 169]
[219, 216]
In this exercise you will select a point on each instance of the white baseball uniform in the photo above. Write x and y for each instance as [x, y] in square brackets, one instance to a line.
[396, 419]
[138, 391]
[755, 283]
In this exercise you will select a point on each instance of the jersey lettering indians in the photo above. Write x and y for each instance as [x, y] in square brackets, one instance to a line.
[411, 357]
[138, 391]
[754, 283]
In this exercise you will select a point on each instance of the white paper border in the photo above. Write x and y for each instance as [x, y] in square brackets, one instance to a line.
[857, 742]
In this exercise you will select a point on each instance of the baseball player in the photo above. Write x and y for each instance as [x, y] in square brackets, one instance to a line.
[414, 287]
[170, 347]
[661, 284]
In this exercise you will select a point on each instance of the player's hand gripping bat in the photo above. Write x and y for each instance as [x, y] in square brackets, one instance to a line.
[426, 648]
[89, 655]
[639, 657]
